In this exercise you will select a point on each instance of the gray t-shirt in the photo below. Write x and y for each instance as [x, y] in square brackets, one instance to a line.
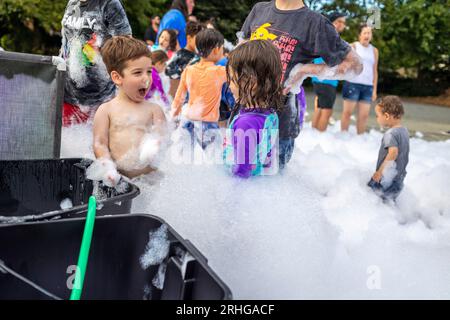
[396, 137]
[86, 26]
[300, 35]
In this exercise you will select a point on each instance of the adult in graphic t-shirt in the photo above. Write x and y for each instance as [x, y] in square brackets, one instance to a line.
[301, 35]
[86, 25]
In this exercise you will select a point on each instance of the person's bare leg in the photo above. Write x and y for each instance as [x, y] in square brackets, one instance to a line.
[316, 114]
[363, 117]
[325, 115]
[347, 111]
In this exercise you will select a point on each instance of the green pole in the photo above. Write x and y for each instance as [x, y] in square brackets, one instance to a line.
[84, 251]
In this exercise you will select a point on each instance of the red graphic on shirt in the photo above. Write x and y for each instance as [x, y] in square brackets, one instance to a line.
[285, 43]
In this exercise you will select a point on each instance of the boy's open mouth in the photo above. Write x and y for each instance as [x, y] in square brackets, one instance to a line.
[142, 91]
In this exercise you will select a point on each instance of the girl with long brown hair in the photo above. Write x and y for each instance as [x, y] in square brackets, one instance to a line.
[254, 74]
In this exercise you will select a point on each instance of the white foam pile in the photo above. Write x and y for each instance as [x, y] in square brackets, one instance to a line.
[317, 230]
[103, 170]
[66, 204]
[157, 248]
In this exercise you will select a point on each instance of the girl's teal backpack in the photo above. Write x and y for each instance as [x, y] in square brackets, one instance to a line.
[265, 162]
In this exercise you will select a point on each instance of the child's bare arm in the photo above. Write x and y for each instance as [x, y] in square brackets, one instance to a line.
[159, 121]
[350, 67]
[391, 156]
[101, 133]
[180, 96]
[104, 167]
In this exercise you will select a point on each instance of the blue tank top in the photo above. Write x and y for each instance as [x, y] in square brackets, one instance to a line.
[333, 83]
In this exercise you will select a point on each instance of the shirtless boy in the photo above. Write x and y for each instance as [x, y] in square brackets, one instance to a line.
[122, 124]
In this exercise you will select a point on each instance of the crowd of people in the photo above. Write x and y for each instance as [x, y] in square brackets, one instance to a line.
[358, 93]
[182, 74]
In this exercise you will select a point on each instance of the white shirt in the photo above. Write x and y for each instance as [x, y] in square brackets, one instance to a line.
[367, 55]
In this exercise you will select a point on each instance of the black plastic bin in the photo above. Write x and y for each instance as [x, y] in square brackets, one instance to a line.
[32, 190]
[31, 103]
[43, 251]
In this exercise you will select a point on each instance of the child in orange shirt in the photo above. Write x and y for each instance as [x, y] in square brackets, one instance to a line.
[204, 82]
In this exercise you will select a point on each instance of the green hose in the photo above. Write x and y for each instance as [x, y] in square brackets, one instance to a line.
[84, 251]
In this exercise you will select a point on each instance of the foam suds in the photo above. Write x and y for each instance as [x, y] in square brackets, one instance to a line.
[316, 230]
[389, 173]
[329, 73]
[77, 73]
[66, 204]
[149, 150]
[157, 248]
[103, 170]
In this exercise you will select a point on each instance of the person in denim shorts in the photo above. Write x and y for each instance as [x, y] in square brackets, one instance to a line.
[362, 89]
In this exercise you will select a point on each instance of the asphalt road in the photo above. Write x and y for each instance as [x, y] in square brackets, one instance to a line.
[433, 122]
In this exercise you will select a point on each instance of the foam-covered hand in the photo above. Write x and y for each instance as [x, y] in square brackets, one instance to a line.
[104, 170]
[298, 74]
[149, 149]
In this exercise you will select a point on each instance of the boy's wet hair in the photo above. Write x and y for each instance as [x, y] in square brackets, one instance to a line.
[255, 67]
[392, 105]
[159, 56]
[117, 51]
[173, 38]
[193, 28]
[207, 40]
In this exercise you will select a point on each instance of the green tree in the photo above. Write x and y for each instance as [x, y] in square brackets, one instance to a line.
[413, 40]
[414, 36]
[34, 26]
[139, 13]
[31, 25]
[229, 15]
